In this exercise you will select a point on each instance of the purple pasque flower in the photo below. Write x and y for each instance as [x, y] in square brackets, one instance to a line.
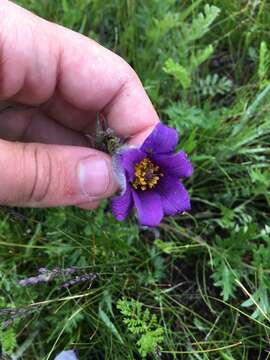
[151, 178]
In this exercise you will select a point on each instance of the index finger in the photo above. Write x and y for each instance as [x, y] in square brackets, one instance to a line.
[40, 59]
[104, 82]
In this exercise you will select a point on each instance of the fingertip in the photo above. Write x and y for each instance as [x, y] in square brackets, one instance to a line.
[95, 175]
[139, 138]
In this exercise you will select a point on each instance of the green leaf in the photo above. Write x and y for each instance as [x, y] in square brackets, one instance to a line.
[166, 246]
[200, 56]
[178, 72]
[8, 340]
[214, 85]
[200, 25]
[106, 320]
[263, 63]
[143, 324]
[252, 109]
[226, 281]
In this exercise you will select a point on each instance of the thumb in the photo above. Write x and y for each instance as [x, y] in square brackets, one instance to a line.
[40, 175]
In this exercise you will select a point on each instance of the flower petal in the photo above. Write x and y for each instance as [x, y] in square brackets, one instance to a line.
[127, 158]
[149, 207]
[174, 196]
[176, 165]
[121, 205]
[162, 140]
[67, 355]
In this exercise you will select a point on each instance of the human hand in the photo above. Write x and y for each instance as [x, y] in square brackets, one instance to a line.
[53, 82]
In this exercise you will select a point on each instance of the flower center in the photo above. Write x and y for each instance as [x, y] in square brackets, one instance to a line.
[147, 175]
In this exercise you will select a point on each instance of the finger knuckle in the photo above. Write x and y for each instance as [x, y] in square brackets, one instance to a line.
[2, 58]
[41, 173]
[129, 74]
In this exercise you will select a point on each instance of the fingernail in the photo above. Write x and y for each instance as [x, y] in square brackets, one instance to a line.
[94, 176]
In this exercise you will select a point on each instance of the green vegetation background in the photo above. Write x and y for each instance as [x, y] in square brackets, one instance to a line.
[198, 288]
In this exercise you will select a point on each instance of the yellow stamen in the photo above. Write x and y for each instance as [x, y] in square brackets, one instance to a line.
[147, 175]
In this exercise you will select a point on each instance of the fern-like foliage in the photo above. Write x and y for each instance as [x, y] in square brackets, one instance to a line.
[179, 72]
[142, 323]
[259, 300]
[8, 340]
[162, 26]
[200, 56]
[214, 85]
[188, 60]
[228, 260]
[185, 117]
[200, 25]
[7, 335]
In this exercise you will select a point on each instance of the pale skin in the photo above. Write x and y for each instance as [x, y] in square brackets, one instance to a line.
[53, 81]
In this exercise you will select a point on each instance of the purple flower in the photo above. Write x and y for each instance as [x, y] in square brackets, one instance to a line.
[152, 178]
